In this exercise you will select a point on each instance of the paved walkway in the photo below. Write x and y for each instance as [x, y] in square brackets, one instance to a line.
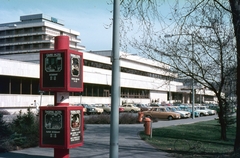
[97, 138]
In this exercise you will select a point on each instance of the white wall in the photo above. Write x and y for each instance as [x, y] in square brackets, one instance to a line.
[161, 96]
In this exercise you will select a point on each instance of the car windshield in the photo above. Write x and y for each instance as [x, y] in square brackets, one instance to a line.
[85, 105]
[171, 109]
[202, 108]
[166, 109]
[178, 108]
[93, 105]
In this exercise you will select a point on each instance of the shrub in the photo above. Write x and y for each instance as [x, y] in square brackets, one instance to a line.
[126, 118]
[18, 140]
[3, 128]
[23, 132]
[98, 119]
[4, 133]
[4, 112]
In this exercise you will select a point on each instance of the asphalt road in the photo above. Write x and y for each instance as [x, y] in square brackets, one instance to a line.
[97, 142]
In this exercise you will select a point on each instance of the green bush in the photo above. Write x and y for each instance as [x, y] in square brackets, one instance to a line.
[97, 119]
[18, 140]
[23, 132]
[4, 133]
[126, 118]
[3, 128]
[4, 112]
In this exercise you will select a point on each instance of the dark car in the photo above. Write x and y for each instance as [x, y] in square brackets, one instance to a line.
[84, 109]
[89, 110]
[143, 107]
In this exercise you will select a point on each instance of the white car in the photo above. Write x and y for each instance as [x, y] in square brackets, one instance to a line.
[202, 112]
[130, 108]
[183, 114]
[210, 111]
[106, 108]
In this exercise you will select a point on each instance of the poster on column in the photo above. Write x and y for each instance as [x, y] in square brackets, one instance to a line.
[53, 127]
[75, 72]
[53, 69]
[75, 126]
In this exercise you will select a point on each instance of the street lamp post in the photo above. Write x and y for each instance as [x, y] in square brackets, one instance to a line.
[193, 93]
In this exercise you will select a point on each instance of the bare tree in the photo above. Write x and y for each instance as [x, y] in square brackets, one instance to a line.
[235, 10]
[202, 44]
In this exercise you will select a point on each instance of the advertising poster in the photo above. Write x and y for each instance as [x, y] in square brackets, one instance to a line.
[53, 69]
[53, 127]
[75, 72]
[75, 126]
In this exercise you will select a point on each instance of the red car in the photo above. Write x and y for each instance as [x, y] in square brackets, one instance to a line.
[121, 109]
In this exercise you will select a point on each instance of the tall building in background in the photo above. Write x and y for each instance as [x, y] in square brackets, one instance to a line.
[32, 34]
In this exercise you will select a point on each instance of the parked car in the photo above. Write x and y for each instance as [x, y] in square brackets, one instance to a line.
[210, 111]
[161, 113]
[121, 109]
[106, 108]
[89, 110]
[183, 114]
[84, 109]
[189, 109]
[201, 112]
[143, 107]
[130, 108]
[98, 110]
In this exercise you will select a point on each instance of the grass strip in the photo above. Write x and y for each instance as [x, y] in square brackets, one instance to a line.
[200, 139]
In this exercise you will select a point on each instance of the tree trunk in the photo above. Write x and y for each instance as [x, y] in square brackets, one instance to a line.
[235, 7]
[222, 120]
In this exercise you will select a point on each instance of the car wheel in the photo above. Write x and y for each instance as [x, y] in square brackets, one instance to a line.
[170, 117]
[201, 115]
[132, 111]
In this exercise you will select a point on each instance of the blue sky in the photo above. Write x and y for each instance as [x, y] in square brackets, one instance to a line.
[89, 17]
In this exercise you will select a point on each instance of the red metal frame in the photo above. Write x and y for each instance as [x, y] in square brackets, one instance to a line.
[66, 129]
[66, 67]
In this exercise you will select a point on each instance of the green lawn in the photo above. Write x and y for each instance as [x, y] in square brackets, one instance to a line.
[193, 140]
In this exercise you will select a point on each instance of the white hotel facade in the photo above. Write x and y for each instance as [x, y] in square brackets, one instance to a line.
[141, 80]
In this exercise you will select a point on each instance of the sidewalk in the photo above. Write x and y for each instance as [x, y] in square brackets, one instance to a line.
[97, 140]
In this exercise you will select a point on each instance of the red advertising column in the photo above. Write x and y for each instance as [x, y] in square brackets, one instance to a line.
[61, 42]
[61, 98]
[61, 72]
